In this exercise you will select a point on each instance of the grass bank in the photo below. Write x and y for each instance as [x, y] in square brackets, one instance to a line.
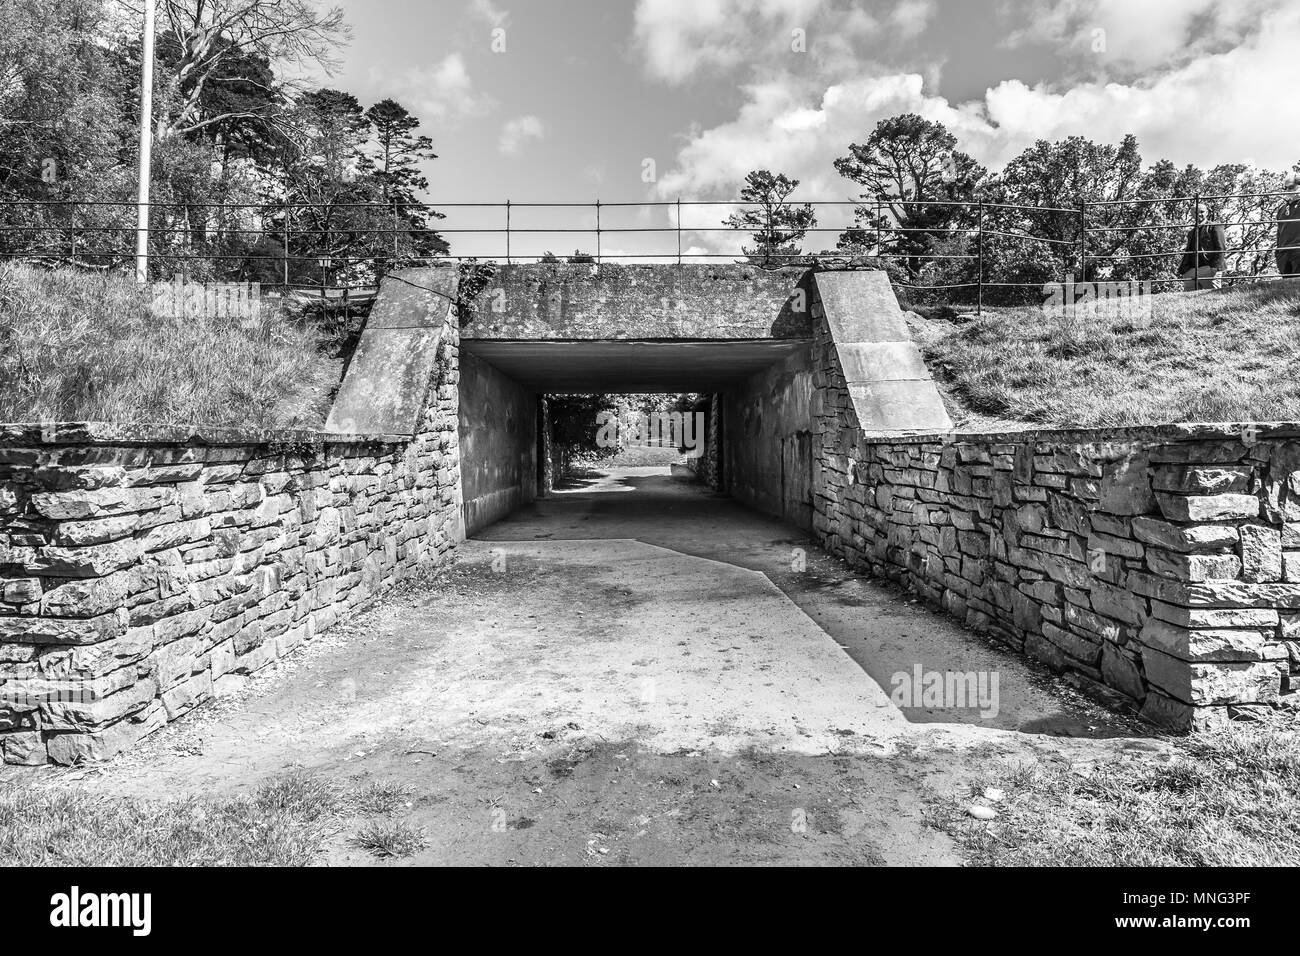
[1214, 356]
[76, 346]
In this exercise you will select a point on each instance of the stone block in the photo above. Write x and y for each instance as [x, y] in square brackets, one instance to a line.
[1207, 644]
[1208, 507]
[1193, 567]
[1184, 537]
[1261, 552]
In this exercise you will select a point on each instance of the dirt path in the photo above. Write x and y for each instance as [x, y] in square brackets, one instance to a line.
[664, 693]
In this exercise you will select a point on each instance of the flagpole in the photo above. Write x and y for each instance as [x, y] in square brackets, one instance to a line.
[146, 147]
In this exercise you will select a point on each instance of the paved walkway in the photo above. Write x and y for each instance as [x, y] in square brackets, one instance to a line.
[882, 629]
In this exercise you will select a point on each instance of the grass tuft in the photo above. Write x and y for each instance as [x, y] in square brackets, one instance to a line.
[380, 797]
[391, 838]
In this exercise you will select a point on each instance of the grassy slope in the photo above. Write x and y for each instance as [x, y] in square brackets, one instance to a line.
[79, 347]
[1224, 356]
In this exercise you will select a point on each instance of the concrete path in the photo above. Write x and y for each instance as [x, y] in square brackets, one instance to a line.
[883, 629]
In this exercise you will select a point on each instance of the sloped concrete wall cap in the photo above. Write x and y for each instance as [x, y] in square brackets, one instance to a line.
[888, 383]
[390, 371]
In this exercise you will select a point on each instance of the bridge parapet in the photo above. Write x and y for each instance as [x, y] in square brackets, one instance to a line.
[646, 301]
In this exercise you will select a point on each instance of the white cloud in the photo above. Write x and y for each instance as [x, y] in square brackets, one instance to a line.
[441, 91]
[911, 17]
[1127, 37]
[518, 131]
[487, 11]
[1217, 108]
[678, 40]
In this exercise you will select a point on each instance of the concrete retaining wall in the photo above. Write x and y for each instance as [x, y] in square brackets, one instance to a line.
[498, 441]
[770, 436]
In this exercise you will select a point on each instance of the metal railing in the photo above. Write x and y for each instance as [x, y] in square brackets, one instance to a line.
[934, 246]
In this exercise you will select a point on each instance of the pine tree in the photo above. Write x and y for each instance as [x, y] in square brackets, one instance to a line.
[778, 225]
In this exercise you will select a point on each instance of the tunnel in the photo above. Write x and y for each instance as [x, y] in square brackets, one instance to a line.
[742, 337]
[754, 387]
[828, 462]
[745, 337]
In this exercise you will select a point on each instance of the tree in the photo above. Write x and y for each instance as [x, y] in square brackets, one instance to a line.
[327, 196]
[401, 150]
[1056, 179]
[242, 157]
[63, 134]
[207, 37]
[779, 226]
[913, 174]
[397, 171]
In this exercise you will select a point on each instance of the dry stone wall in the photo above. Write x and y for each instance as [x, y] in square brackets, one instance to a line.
[1159, 568]
[145, 570]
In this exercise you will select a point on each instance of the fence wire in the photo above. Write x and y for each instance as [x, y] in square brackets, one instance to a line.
[979, 248]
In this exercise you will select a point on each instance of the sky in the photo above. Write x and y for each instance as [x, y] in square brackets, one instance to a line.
[632, 101]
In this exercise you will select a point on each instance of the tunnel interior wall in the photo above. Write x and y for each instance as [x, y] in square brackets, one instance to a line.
[498, 441]
[770, 440]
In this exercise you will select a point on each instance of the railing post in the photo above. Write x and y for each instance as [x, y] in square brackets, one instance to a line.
[1196, 241]
[679, 230]
[1083, 240]
[287, 213]
[395, 250]
[598, 232]
[979, 252]
[880, 245]
[507, 232]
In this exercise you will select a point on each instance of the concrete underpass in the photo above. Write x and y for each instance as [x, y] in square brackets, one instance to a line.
[744, 526]
[629, 666]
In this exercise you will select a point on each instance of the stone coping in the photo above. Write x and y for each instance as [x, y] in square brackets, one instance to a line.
[1186, 431]
[27, 434]
[107, 433]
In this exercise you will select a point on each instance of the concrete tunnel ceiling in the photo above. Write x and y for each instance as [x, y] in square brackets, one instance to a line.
[551, 366]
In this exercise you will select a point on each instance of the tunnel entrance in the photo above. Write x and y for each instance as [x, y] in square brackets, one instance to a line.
[745, 403]
[801, 390]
